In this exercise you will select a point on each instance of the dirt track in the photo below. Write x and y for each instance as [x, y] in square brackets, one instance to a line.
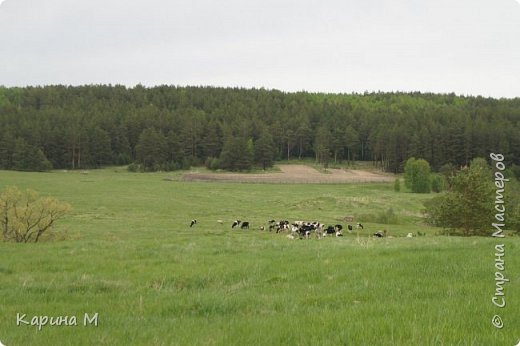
[293, 174]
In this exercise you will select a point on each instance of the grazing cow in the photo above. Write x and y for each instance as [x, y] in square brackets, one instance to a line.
[308, 227]
[245, 225]
[303, 232]
[338, 227]
[409, 235]
[193, 222]
[330, 230]
[358, 226]
[235, 223]
[339, 234]
[380, 234]
[350, 228]
[262, 228]
[319, 231]
[282, 226]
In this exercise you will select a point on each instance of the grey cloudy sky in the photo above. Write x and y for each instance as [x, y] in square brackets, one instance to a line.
[469, 47]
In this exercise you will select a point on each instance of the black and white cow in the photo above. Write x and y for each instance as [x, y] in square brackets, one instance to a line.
[304, 231]
[245, 225]
[380, 234]
[337, 229]
[306, 228]
[359, 225]
[282, 226]
[330, 230]
[350, 228]
[235, 223]
[193, 222]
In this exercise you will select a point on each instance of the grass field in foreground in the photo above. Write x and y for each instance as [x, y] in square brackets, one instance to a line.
[130, 256]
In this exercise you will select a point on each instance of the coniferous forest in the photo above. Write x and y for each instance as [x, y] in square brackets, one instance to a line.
[168, 127]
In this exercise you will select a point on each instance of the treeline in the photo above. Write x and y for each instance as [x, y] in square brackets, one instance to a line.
[168, 127]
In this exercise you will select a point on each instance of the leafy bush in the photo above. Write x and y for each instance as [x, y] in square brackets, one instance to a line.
[397, 185]
[384, 217]
[212, 163]
[134, 167]
[438, 184]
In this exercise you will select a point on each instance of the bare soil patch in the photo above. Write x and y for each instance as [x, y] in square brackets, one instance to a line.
[294, 174]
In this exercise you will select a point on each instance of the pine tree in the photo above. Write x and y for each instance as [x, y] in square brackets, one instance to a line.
[322, 146]
[99, 147]
[211, 142]
[264, 150]
[175, 155]
[151, 149]
[7, 144]
[122, 153]
[29, 158]
[351, 142]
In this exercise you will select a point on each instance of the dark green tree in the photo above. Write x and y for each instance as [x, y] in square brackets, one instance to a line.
[99, 147]
[351, 142]
[121, 151]
[237, 154]
[303, 137]
[175, 154]
[264, 150]
[211, 141]
[322, 146]
[151, 149]
[29, 158]
[7, 145]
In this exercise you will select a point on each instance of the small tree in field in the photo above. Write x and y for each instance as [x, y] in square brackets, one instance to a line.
[468, 205]
[397, 185]
[417, 175]
[25, 217]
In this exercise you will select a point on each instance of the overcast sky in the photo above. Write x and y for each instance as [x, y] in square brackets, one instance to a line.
[470, 47]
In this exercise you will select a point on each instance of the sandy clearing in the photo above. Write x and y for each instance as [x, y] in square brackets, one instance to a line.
[294, 174]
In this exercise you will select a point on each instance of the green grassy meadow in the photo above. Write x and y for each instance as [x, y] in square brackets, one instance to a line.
[126, 252]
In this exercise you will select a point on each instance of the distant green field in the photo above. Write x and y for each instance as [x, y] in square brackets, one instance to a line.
[127, 253]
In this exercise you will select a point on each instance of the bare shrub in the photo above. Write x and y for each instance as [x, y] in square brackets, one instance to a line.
[25, 216]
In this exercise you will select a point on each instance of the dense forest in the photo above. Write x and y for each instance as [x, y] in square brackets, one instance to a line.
[168, 127]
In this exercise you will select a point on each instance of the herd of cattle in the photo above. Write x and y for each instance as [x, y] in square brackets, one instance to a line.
[300, 229]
